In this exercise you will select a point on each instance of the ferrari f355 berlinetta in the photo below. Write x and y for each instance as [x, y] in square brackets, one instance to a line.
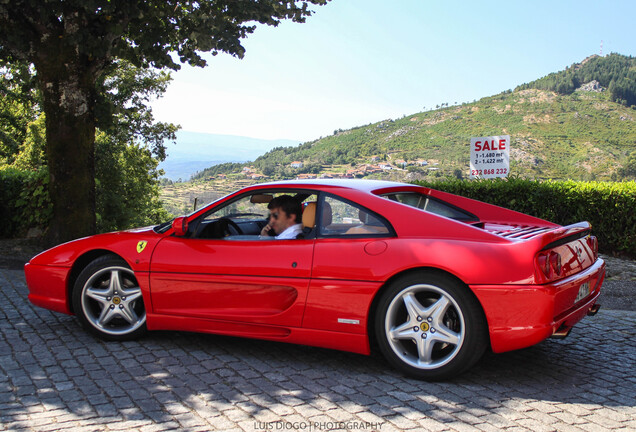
[429, 278]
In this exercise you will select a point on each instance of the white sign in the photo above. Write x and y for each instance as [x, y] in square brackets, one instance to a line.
[490, 157]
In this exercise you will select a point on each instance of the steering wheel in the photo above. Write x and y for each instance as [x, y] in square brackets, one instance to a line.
[230, 223]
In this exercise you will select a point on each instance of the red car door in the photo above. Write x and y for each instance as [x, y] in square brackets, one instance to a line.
[251, 281]
[350, 251]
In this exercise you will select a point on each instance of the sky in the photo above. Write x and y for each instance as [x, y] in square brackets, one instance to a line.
[355, 62]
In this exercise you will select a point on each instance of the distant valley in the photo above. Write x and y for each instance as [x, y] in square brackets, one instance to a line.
[195, 151]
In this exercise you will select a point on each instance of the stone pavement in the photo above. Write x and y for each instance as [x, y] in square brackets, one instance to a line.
[54, 376]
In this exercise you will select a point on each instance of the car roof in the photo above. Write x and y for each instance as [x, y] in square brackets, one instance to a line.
[357, 184]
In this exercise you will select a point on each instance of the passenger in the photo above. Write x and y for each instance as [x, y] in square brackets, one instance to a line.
[285, 215]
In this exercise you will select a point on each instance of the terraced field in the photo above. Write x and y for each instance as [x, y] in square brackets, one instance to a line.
[179, 198]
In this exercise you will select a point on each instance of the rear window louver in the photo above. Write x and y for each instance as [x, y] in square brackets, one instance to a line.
[520, 232]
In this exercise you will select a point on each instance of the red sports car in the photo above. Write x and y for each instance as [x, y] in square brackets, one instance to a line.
[430, 278]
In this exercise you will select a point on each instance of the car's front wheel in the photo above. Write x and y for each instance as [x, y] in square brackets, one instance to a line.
[430, 326]
[107, 300]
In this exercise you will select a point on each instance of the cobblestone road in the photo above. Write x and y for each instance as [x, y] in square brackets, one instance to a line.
[54, 376]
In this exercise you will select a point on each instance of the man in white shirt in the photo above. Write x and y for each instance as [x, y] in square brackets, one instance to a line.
[285, 214]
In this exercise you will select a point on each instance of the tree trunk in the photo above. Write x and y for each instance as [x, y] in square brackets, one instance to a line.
[68, 94]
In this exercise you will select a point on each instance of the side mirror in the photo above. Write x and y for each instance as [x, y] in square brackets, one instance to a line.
[180, 226]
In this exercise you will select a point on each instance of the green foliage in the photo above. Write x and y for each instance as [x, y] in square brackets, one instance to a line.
[17, 103]
[629, 169]
[608, 206]
[615, 72]
[223, 168]
[122, 109]
[143, 32]
[11, 181]
[24, 201]
[127, 191]
[30, 154]
[127, 185]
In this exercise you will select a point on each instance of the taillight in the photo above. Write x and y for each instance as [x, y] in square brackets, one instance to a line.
[555, 262]
[544, 264]
[592, 242]
[549, 264]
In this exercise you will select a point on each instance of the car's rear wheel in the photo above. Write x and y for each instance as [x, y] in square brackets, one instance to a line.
[430, 326]
[107, 300]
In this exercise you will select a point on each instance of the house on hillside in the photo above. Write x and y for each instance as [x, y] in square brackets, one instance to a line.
[306, 176]
[371, 169]
[401, 163]
[421, 162]
[296, 164]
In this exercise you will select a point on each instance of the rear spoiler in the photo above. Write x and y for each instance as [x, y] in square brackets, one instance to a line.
[565, 234]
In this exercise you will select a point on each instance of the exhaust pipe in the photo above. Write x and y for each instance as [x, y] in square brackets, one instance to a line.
[593, 310]
[561, 333]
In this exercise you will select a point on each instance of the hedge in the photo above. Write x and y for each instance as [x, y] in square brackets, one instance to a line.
[609, 206]
[24, 201]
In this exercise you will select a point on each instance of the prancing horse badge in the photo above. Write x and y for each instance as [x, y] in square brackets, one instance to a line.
[141, 246]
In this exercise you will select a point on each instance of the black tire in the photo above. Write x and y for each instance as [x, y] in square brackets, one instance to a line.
[107, 300]
[405, 326]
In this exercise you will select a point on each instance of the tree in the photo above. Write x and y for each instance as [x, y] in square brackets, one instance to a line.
[72, 44]
[129, 146]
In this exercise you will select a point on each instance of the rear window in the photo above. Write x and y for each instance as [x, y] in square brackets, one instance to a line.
[431, 205]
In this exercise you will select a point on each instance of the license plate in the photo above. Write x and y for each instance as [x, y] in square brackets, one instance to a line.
[584, 291]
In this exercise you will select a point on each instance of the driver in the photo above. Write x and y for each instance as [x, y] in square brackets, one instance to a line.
[284, 218]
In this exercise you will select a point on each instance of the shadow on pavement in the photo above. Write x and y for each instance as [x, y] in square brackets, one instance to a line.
[49, 364]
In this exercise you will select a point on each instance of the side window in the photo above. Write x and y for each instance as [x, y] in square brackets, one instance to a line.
[431, 205]
[339, 218]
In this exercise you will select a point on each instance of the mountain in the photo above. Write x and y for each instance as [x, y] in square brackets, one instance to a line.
[561, 126]
[195, 151]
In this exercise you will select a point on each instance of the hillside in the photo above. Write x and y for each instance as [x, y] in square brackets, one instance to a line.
[616, 73]
[579, 136]
[586, 133]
